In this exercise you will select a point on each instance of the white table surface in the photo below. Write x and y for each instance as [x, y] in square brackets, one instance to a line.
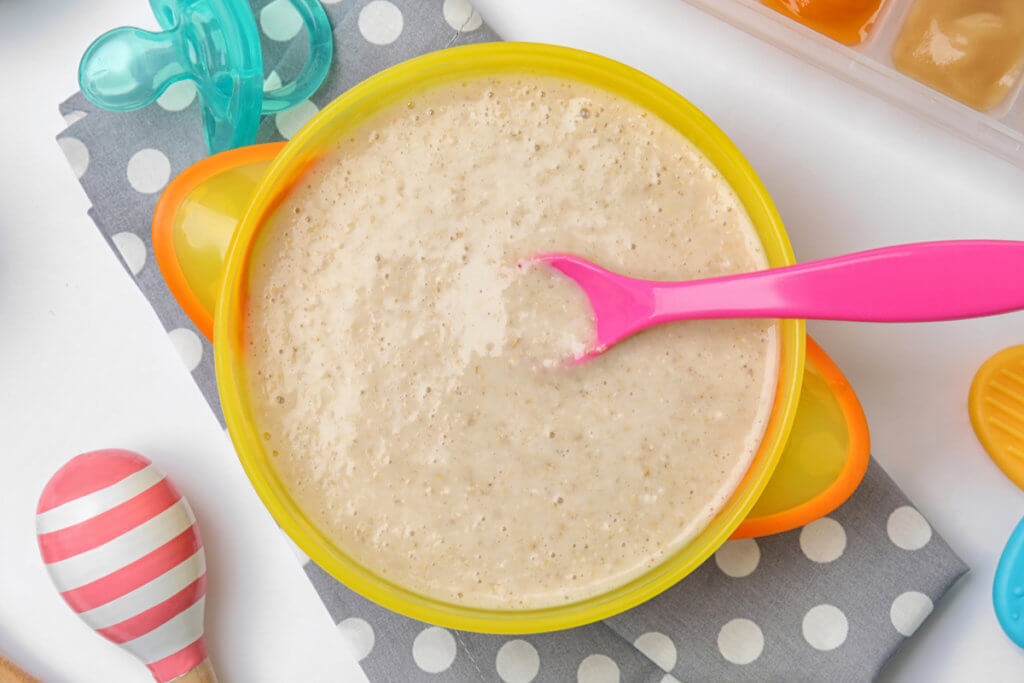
[85, 364]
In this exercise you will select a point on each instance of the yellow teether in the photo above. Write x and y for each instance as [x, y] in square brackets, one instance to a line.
[997, 410]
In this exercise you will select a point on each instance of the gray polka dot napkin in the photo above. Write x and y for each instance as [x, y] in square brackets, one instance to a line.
[832, 601]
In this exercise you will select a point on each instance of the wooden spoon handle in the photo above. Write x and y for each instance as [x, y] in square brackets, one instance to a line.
[12, 674]
[203, 673]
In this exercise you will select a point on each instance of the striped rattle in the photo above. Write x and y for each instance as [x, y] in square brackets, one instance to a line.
[122, 546]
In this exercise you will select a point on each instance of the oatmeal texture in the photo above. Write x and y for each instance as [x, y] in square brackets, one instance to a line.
[409, 378]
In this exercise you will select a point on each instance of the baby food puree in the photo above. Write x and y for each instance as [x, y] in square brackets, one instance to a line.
[410, 379]
[848, 21]
[972, 50]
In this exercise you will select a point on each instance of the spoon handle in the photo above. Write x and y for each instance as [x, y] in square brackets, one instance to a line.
[908, 283]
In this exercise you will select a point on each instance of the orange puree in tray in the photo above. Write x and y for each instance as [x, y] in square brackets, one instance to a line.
[971, 50]
[847, 21]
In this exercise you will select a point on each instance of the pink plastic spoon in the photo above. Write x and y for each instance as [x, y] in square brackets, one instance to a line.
[909, 283]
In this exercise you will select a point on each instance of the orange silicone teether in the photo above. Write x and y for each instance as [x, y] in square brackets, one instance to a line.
[996, 406]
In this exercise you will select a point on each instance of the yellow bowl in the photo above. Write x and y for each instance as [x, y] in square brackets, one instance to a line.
[398, 84]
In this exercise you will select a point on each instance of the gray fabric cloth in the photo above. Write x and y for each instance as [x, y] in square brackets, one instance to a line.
[832, 601]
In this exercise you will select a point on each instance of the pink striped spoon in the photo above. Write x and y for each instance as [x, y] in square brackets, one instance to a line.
[122, 546]
[909, 283]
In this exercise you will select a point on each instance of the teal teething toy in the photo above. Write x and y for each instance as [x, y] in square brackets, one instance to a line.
[214, 43]
[1008, 587]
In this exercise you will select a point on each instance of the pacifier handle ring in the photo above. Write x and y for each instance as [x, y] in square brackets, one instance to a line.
[318, 62]
[214, 43]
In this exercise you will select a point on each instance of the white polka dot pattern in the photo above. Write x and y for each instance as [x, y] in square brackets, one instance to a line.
[740, 641]
[825, 627]
[380, 22]
[738, 558]
[517, 662]
[434, 649]
[823, 540]
[178, 95]
[908, 529]
[598, 669]
[909, 610]
[132, 250]
[188, 345]
[74, 116]
[358, 637]
[77, 154]
[291, 120]
[659, 648]
[280, 21]
[461, 16]
[271, 82]
[148, 171]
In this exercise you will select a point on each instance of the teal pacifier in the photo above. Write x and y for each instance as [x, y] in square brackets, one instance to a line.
[214, 43]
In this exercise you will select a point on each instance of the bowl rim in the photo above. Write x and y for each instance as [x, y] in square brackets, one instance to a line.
[346, 112]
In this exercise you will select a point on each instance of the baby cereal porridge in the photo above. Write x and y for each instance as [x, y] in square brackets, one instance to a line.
[410, 381]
